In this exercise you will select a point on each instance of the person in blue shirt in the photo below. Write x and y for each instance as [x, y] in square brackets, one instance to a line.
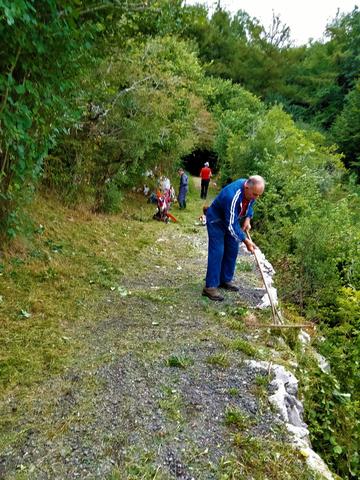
[231, 208]
[183, 188]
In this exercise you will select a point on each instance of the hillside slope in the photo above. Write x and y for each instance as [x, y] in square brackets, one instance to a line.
[156, 382]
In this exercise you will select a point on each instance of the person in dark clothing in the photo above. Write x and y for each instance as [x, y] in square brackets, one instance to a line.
[234, 204]
[183, 188]
[205, 175]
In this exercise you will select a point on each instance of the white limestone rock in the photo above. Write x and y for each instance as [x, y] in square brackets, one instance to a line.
[291, 410]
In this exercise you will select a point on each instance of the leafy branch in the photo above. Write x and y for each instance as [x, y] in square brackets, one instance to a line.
[12, 68]
[116, 5]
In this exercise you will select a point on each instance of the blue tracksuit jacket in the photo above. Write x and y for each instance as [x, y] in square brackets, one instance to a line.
[222, 220]
[227, 207]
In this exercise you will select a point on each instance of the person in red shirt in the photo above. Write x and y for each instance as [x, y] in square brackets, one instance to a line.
[205, 175]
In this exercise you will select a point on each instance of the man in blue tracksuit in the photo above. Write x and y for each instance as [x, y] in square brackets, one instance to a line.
[233, 204]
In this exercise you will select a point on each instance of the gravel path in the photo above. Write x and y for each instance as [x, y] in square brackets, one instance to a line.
[150, 397]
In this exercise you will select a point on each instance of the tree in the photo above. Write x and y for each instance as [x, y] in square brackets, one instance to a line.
[239, 48]
[346, 129]
[45, 49]
[344, 34]
[278, 34]
[42, 49]
[149, 109]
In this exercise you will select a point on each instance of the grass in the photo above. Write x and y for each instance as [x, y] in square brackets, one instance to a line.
[59, 282]
[260, 389]
[218, 360]
[143, 466]
[171, 404]
[234, 316]
[237, 311]
[262, 458]
[50, 283]
[244, 346]
[73, 274]
[234, 391]
[236, 325]
[262, 381]
[244, 265]
[179, 362]
[236, 418]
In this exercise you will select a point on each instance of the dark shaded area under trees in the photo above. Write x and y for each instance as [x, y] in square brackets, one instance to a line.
[194, 162]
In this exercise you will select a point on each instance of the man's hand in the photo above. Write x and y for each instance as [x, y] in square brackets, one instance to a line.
[250, 245]
[246, 225]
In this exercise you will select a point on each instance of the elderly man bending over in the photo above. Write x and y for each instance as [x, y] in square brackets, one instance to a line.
[232, 207]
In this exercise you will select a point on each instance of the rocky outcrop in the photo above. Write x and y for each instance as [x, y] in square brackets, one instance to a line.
[284, 387]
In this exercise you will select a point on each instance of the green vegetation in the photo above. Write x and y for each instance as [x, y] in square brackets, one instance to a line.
[49, 284]
[96, 94]
[237, 418]
[334, 395]
[315, 83]
[233, 391]
[171, 404]
[143, 467]
[179, 362]
[218, 360]
[262, 458]
[244, 266]
[260, 389]
[244, 346]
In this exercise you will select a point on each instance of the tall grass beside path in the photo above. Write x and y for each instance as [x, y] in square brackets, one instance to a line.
[53, 283]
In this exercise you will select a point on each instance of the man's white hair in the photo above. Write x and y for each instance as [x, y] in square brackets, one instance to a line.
[256, 180]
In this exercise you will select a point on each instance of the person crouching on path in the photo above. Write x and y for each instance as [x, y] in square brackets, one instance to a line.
[183, 188]
[234, 204]
[205, 175]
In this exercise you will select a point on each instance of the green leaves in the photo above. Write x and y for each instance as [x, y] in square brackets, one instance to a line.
[346, 128]
[144, 113]
[37, 93]
[20, 89]
[333, 420]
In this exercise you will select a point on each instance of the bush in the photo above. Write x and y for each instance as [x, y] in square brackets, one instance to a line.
[332, 400]
[333, 419]
[111, 199]
[142, 116]
[326, 253]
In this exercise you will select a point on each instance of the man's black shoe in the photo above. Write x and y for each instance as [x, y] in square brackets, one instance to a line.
[229, 286]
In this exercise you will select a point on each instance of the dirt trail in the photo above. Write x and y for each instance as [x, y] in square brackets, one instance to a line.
[152, 396]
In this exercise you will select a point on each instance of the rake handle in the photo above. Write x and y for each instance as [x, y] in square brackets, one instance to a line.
[273, 309]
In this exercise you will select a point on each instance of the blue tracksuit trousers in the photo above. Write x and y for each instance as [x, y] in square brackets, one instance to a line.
[222, 252]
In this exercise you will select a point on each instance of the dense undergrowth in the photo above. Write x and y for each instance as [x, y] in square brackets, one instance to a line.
[308, 224]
